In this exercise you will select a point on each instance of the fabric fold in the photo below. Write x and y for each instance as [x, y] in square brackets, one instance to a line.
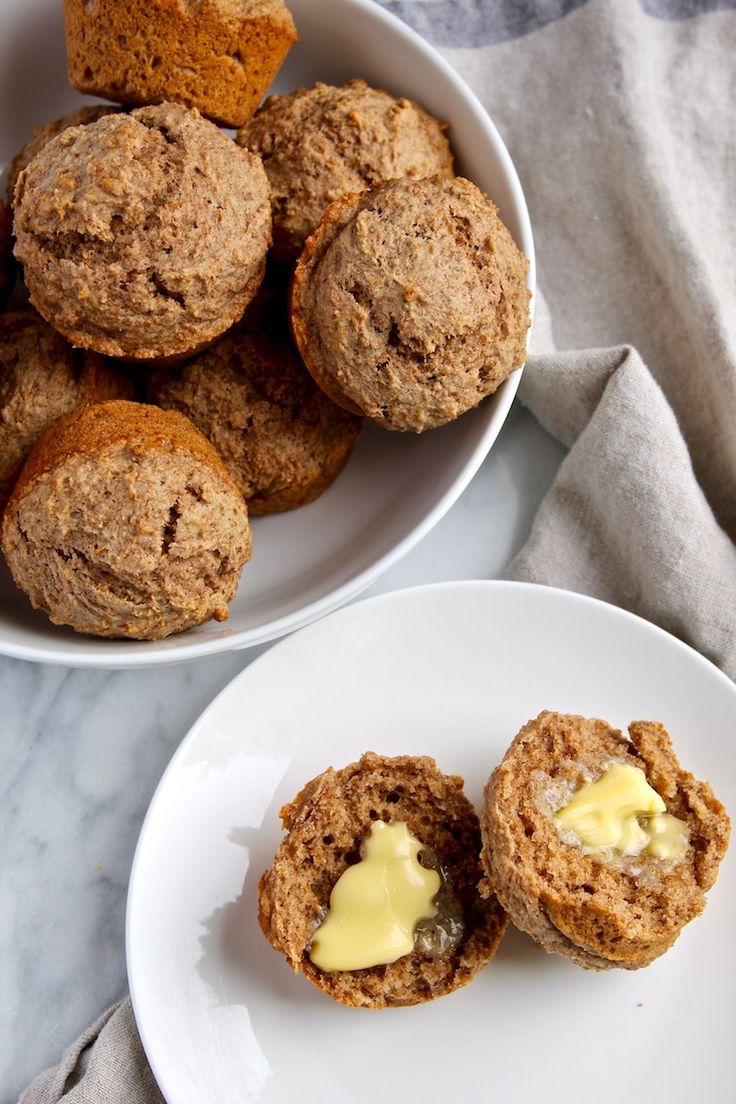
[106, 1065]
[626, 520]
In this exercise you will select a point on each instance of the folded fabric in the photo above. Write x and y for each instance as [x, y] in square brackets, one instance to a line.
[626, 519]
[106, 1065]
[619, 117]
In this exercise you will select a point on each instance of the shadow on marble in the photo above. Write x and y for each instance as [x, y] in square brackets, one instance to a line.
[238, 964]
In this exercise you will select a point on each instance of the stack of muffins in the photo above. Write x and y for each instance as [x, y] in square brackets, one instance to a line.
[155, 396]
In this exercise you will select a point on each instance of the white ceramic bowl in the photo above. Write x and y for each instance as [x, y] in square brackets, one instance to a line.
[395, 486]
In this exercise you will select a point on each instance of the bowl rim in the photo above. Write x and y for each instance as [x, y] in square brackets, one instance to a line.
[90, 652]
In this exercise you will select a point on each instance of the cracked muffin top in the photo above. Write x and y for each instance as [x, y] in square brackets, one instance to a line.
[320, 143]
[145, 235]
[124, 522]
[409, 303]
[43, 134]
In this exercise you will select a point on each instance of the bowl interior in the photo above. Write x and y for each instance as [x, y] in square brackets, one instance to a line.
[395, 486]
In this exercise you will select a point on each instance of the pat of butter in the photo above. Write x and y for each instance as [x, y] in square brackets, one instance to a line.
[621, 812]
[376, 904]
[667, 836]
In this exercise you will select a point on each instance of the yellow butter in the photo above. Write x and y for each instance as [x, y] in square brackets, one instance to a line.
[621, 812]
[376, 904]
[667, 836]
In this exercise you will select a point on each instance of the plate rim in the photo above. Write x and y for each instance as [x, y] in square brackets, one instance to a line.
[357, 609]
[119, 655]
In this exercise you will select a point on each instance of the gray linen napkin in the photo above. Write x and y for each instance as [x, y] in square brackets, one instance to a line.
[626, 519]
[106, 1065]
[619, 115]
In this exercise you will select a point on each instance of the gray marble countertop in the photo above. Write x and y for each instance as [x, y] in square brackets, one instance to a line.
[81, 753]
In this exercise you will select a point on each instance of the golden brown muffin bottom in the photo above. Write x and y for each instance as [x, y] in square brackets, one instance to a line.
[206, 55]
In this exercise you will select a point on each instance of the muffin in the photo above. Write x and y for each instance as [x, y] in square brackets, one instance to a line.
[282, 440]
[41, 379]
[125, 523]
[321, 143]
[216, 55]
[329, 825]
[590, 880]
[90, 113]
[7, 264]
[143, 236]
[409, 303]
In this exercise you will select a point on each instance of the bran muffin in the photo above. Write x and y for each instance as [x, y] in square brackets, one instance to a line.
[90, 113]
[409, 303]
[143, 236]
[282, 440]
[326, 824]
[598, 910]
[216, 55]
[124, 522]
[42, 378]
[321, 143]
[7, 264]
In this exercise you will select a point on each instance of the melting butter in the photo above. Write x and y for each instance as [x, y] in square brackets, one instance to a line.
[621, 812]
[667, 836]
[376, 904]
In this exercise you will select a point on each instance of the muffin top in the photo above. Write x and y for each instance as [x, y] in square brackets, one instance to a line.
[143, 235]
[42, 135]
[281, 438]
[42, 378]
[125, 523]
[410, 303]
[320, 143]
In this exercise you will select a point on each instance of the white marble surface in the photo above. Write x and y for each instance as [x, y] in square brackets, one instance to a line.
[81, 753]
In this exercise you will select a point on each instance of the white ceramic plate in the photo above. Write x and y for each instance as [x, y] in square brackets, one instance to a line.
[396, 486]
[452, 671]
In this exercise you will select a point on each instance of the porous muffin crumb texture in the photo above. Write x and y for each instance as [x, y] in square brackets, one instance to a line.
[599, 912]
[125, 523]
[145, 235]
[282, 440]
[409, 303]
[326, 824]
[216, 55]
[42, 135]
[7, 265]
[43, 378]
[321, 143]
